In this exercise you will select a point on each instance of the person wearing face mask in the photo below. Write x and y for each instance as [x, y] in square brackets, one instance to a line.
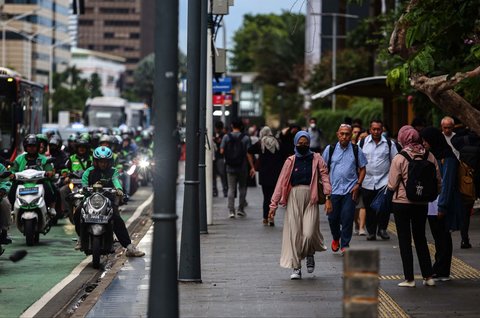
[346, 164]
[316, 136]
[297, 189]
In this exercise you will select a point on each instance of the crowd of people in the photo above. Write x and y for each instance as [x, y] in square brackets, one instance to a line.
[421, 175]
[92, 157]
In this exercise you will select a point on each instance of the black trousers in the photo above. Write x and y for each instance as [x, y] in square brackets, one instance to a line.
[374, 221]
[267, 197]
[119, 227]
[443, 246]
[410, 219]
[466, 222]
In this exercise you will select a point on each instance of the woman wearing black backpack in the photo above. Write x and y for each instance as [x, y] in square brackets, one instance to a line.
[450, 207]
[410, 214]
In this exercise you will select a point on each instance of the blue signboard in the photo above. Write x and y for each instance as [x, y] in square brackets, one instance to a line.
[224, 85]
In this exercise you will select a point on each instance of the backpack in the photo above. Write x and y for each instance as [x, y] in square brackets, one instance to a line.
[389, 143]
[421, 183]
[332, 149]
[235, 151]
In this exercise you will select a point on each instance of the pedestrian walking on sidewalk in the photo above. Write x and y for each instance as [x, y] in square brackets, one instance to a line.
[346, 164]
[269, 164]
[379, 152]
[297, 189]
[234, 147]
[411, 216]
[449, 213]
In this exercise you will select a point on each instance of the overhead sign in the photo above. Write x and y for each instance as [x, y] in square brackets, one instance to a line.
[224, 85]
[222, 99]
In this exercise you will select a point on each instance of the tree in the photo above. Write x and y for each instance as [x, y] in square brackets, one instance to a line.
[272, 46]
[95, 85]
[436, 48]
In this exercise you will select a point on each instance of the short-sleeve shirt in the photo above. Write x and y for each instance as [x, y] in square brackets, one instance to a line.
[343, 169]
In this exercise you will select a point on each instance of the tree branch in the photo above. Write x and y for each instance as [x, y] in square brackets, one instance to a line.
[397, 39]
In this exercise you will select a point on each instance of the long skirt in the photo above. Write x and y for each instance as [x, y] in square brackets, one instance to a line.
[301, 228]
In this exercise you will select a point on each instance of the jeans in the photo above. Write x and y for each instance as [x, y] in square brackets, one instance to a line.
[410, 219]
[235, 178]
[341, 218]
[374, 221]
[443, 246]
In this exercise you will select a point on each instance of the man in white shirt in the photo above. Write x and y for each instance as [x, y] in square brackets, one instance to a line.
[379, 152]
[447, 125]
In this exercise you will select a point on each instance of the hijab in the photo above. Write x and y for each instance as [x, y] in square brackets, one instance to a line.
[438, 145]
[299, 135]
[410, 139]
[268, 141]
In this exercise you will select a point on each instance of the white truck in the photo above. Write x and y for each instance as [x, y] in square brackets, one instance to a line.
[108, 112]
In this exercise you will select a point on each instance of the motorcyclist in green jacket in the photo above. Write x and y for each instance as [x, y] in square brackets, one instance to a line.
[32, 159]
[5, 208]
[103, 172]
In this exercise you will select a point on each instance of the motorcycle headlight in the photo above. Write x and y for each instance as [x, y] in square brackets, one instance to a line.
[97, 201]
[22, 201]
[71, 186]
[36, 201]
[143, 163]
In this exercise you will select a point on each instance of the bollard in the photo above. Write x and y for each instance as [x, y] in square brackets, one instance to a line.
[360, 283]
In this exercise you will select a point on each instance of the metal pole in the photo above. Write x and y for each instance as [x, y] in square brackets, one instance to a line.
[163, 293]
[50, 85]
[209, 152]
[334, 59]
[189, 270]
[30, 58]
[224, 26]
[203, 118]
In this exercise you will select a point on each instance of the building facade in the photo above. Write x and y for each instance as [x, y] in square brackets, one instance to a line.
[36, 41]
[109, 68]
[121, 27]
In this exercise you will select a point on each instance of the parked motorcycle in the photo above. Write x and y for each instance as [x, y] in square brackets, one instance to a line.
[96, 230]
[30, 211]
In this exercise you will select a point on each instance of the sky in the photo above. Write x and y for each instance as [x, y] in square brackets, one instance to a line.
[234, 19]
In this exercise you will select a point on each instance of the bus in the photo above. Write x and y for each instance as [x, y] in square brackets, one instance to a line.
[137, 115]
[108, 112]
[21, 109]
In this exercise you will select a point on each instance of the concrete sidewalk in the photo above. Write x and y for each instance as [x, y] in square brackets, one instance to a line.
[242, 278]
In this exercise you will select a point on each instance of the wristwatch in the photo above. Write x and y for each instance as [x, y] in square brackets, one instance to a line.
[327, 197]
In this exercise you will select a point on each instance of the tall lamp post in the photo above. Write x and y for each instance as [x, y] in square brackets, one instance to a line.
[4, 26]
[281, 86]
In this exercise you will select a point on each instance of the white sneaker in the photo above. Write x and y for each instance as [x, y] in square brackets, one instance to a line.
[241, 213]
[232, 215]
[407, 284]
[132, 251]
[296, 274]
[428, 282]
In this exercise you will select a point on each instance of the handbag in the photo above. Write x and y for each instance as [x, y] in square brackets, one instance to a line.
[321, 196]
[382, 201]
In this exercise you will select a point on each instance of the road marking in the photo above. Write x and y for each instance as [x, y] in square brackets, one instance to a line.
[39, 304]
[387, 307]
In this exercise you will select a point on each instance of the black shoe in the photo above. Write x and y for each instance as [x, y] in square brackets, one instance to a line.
[225, 194]
[465, 244]
[383, 234]
[371, 237]
[4, 238]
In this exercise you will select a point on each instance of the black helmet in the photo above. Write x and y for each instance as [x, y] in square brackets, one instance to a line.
[82, 142]
[55, 140]
[30, 140]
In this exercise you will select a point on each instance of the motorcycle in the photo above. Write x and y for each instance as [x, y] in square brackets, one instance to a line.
[144, 165]
[75, 185]
[96, 230]
[30, 211]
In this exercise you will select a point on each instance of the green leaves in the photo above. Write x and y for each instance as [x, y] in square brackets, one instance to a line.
[399, 77]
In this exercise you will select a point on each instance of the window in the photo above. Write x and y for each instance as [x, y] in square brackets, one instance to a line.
[85, 22]
[108, 35]
[134, 35]
[115, 10]
[121, 23]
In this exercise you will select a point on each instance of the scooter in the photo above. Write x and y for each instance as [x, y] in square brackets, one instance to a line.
[75, 185]
[144, 170]
[96, 230]
[30, 211]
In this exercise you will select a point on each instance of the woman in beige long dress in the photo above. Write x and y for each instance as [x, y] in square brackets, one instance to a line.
[297, 189]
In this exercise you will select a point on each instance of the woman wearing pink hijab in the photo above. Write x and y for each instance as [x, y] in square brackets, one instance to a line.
[410, 217]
